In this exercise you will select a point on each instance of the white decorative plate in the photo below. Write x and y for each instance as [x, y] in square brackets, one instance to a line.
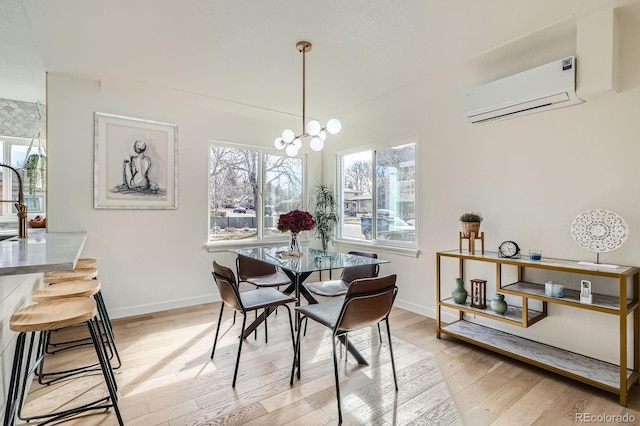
[599, 230]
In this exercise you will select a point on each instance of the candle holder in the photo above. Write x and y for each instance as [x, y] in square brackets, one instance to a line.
[479, 293]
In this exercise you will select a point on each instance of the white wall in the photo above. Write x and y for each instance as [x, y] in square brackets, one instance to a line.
[529, 177]
[149, 260]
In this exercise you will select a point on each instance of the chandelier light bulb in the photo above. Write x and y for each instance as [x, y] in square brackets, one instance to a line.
[334, 126]
[313, 128]
[279, 143]
[316, 144]
[291, 150]
[323, 135]
[297, 143]
[288, 135]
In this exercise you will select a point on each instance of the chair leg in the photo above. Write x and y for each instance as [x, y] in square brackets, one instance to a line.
[255, 331]
[393, 363]
[296, 353]
[234, 317]
[266, 314]
[235, 373]
[293, 340]
[215, 339]
[379, 333]
[335, 370]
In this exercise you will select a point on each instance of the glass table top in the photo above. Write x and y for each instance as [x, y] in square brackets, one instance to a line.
[310, 261]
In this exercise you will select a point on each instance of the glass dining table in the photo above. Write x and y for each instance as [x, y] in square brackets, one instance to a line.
[298, 269]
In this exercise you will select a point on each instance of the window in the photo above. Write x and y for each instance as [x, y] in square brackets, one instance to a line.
[380, 205]
[248, 190]
[13, 152]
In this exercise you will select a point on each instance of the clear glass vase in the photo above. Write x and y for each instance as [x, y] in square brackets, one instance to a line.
[294, 244]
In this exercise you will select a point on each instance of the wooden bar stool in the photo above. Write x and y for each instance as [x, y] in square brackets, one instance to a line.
[65, 290]
[46, 316]
[86, 263]
[86, 269]
[54, 277]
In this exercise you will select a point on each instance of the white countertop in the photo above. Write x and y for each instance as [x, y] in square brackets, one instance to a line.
[40, 252]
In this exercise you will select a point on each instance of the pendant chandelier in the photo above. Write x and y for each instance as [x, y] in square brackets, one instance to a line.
[291, 142]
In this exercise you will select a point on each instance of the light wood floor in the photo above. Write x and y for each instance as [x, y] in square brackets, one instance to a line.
[167, 378]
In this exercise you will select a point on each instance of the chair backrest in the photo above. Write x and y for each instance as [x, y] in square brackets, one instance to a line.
[249, 268]
[364, 271]
[368, 301]
[227, 287]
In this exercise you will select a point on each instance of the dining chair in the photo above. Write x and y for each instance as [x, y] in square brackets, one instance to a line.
[259, 274]
[246, 301]
[367, 301]
[334, 288]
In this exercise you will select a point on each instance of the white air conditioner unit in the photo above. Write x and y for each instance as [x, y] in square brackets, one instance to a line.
[545, 87]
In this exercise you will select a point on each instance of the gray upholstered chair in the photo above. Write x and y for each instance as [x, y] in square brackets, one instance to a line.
[246, 301]
[367, 301]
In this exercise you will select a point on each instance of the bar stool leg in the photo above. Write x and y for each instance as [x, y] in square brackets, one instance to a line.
[107, 372]
[14, 388]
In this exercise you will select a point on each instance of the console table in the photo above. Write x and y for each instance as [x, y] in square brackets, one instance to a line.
[617, 379]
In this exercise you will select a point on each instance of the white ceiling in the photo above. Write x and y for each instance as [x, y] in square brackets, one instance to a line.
[244, 50]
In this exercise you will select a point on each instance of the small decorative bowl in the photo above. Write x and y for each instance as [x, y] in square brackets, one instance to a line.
[553, 289]
[37, 223]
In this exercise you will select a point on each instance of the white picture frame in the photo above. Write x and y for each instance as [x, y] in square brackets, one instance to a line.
[135, 163]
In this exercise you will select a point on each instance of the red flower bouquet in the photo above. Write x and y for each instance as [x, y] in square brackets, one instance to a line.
[296, 221]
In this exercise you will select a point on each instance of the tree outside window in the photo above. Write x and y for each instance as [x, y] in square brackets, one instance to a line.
[248, 190]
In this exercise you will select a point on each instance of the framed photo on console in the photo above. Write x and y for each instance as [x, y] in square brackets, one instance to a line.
[135, 163]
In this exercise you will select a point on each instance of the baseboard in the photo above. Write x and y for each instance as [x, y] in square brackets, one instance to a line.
[184, 303]
[416, 309]
[131, 311]
[447, 317]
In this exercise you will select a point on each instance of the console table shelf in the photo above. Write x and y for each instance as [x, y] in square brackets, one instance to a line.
[512, 316]
[618, 379]
[601, 302]
[589, 370]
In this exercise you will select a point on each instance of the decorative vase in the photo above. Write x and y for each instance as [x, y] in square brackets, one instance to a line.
[498, 305]
[294, 244]
[459, 294]
[469, 227]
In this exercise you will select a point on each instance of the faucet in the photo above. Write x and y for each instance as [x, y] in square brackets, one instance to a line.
[20, 206]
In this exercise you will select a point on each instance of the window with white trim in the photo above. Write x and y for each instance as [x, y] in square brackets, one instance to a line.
[249, 189]
[379, 195]
[14, 151]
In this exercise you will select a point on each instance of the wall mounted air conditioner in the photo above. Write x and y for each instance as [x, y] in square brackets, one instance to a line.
[545, 87]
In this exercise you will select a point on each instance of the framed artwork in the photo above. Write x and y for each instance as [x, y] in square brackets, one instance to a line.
[135, 163]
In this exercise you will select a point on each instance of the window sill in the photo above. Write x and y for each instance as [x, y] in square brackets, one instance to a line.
[344, 245]
[219, 246]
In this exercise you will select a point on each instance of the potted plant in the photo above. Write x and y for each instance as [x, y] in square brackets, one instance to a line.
[35, 166]
[325, 214]
[470, 223]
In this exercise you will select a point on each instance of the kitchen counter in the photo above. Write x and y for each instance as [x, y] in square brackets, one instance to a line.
[40, 252]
